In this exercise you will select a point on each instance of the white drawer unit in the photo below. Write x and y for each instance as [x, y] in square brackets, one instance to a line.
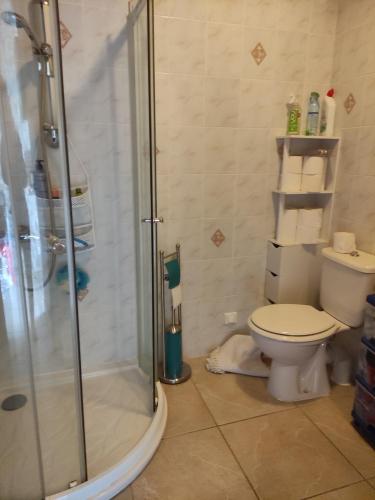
[292, 274]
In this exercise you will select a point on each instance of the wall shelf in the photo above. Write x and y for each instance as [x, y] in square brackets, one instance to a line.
[300, 145]
[320, 241]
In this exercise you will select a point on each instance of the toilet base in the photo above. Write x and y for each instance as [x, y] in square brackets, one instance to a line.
[295, 383]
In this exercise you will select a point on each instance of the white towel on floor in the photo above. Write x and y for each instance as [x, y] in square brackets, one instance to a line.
[239, 354]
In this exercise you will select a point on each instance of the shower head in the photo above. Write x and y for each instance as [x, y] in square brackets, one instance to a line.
[14, 19]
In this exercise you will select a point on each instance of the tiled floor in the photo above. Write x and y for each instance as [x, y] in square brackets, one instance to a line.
[226, 439]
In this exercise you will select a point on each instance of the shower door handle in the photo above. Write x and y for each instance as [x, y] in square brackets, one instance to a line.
[157, 220]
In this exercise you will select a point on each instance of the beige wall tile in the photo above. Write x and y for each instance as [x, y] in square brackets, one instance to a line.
[187, 150]
[216, 278]
[187, 232]
[186, 50]
[292, 50]
[252, 150]
[224, 49]
[220, 154]
[222, 101]
[294, 15]
[218, 195]
[262, 13]
[323, 18]
[193, 9]
[186, 196]
[186, 100]
[256, 103]
[225, 11]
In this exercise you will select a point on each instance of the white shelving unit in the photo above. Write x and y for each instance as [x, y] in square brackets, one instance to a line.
[299, 145]
[293, 269]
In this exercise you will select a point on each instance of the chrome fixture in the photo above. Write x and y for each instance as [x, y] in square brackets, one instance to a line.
[157, 220]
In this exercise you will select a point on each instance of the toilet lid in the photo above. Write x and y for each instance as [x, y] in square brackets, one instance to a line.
[292, 319]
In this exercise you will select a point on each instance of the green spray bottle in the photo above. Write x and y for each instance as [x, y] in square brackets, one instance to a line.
[294, 116]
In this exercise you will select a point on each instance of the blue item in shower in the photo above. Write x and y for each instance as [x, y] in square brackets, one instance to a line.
[174, 274]
[82, 279]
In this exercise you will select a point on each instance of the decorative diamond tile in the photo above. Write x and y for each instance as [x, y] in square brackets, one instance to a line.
[65, 34]
[217, 238]
[349, 103]
[258, 53]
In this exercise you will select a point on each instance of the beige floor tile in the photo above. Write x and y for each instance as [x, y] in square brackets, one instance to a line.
[196, 466]
[286, 457]
[125, 495]
[359, 491]
[186, 410]
[335, 424]
[233, 397]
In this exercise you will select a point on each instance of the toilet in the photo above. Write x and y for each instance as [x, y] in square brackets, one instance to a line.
[295, 336]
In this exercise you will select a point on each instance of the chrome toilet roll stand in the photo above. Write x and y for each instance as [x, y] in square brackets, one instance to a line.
[186, 369]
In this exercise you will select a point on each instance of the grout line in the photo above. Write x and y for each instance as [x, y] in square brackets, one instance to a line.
[276, 412]
[334, 489]
[238, 463]
[333, 444]
[190, 432]
[226, 442]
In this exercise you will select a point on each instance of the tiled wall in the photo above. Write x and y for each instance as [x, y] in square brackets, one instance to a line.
[225, 69]
[354, 78]
[97, 99]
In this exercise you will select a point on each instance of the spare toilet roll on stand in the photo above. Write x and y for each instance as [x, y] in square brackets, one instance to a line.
[173, 369]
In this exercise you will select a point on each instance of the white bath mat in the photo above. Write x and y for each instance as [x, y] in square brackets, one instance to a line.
[239, 354]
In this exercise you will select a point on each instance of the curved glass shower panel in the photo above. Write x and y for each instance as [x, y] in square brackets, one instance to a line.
[19, 445]
[98, 66]
[36, 178]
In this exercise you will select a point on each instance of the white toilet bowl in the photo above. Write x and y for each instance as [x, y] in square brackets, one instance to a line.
[294, 336]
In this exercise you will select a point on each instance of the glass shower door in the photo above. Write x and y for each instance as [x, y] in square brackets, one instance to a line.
[40, 372]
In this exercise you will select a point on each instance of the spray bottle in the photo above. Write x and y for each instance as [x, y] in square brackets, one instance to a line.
[327, 120]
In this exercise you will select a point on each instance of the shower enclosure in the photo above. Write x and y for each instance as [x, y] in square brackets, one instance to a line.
[81, 411]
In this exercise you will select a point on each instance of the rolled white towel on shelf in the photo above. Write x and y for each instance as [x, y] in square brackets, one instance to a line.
[344, 242]
[307, 234]
[287, 225]
[310, 217]
[313, 173]
[291, 173]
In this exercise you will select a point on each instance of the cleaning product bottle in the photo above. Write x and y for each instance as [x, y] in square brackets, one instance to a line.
[40, 182]
[312, 124]
[294, 116]
[327, 120]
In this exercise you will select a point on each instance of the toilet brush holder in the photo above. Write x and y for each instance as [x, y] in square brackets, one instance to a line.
[172, 369]
[173, 352]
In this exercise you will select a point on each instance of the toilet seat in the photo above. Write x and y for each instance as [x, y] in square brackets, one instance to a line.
[292, 323]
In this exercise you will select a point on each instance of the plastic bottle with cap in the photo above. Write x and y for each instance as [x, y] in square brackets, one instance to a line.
[327, 120]
[294, 116]
[312, 123]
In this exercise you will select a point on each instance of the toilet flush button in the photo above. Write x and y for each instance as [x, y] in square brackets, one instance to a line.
[230, 318]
